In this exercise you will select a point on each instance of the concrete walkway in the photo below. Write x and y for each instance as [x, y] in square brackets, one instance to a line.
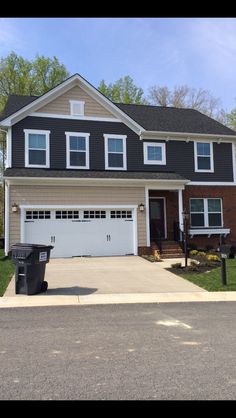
[111, 280]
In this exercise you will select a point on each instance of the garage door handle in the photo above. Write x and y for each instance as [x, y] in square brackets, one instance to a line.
[108, 238]
[53, 238]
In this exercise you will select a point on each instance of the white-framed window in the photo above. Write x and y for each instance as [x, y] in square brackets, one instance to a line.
[203, 157]
[77, 150]
[115, 152]
[37, 148]
[76, 108]
[206, 213]
[154, 153]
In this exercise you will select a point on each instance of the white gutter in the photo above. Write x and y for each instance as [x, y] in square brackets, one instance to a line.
[182, 135]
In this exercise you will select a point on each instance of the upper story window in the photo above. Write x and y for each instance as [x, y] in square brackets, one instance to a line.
[154, 153]
[206, 213]
[76, 108]
[115, 152]
[36, 148]
[203, 157]
[77, 150]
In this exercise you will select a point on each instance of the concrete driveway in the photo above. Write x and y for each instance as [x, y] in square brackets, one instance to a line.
[104, 275]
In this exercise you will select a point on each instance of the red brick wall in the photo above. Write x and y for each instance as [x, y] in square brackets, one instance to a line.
[228, 196]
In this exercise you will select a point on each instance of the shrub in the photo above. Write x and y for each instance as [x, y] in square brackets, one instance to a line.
[213, 257]
[152, 258]
[193, 266]
[193, 252]
[201, 254]
[176, 265]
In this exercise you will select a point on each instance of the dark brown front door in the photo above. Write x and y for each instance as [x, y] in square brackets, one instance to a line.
[157, 219]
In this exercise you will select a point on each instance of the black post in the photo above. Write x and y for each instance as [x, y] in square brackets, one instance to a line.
[223, 263]
[223, 272]
[185, 241]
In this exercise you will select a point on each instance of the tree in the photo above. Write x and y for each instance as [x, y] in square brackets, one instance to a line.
[122, 91]
[187, 97]
[231, 119]
[24, 77]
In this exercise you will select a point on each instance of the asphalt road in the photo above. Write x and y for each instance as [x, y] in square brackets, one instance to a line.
[184, 351]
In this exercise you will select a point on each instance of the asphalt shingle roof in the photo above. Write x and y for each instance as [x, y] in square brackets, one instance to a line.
[152, 118]
[39, 172]
[172, 119]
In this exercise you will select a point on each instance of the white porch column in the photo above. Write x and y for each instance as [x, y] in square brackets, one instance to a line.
[6, 215]
[180, 199]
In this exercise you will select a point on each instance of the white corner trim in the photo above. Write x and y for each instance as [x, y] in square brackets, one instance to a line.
[61, 116]
[196, 169]
[7, 214]
[147, 216]
[9, 148]
[124, 153]
[145, 153]
[234, 161]
[47, 135]
[180, 204]
[78, 134]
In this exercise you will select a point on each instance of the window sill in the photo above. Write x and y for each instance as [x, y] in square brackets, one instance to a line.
[208, 231]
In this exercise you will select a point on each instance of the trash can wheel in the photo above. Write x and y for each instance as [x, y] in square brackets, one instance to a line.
[44, 286]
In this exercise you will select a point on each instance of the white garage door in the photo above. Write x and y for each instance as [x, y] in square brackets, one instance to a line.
[81, 232]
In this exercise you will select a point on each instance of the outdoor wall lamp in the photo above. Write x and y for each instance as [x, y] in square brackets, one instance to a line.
[141, 207]
[14, 208]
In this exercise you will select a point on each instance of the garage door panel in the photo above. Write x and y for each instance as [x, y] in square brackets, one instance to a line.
[83, 232]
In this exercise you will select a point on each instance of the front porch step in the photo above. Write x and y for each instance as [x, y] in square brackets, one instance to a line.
[170, 249]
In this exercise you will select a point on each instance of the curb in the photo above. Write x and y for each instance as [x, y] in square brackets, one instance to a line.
[108, 299]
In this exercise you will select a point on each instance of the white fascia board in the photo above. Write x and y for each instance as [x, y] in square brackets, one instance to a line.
[154, 184]
[62, 88]
[184, 136]
[209, 231]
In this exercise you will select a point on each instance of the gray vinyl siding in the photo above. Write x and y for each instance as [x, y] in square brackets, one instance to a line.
[179, 154]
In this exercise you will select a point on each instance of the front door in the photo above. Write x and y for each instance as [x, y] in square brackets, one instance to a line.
[157, 219]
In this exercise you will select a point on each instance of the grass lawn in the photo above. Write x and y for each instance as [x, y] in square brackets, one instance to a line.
[7, 269]
[211, 280]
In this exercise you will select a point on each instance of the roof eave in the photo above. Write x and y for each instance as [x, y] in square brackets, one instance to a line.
[184, 135]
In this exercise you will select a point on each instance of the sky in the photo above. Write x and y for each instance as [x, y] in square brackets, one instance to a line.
[199, 52]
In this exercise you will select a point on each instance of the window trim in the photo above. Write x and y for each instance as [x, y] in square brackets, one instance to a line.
[206, 213]
[81, 103]
[196, 169]
[38, 132]
[114, 136]
[83, 134]
[154, 144]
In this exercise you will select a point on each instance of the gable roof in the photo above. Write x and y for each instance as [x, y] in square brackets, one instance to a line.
[140, 118]
[61, 88]
[172, 119]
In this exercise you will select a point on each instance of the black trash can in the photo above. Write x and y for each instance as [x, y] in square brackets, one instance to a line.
[30, 261]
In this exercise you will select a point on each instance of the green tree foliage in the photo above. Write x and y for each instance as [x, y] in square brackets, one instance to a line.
[231, 119]
[24, 77]
[122, 91]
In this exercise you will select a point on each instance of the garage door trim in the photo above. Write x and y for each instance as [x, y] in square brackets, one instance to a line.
[23, 209]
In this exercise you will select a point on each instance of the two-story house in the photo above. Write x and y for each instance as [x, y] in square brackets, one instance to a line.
[93, 177]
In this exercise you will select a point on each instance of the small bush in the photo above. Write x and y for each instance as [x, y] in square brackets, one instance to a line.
[201, 254]
[193, 266]
[213, 257]
[151, 258]
[193, 252]
[176, 265]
